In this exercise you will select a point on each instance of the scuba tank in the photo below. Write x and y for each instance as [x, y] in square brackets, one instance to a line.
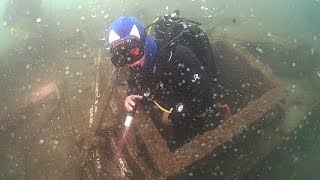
[173, 28]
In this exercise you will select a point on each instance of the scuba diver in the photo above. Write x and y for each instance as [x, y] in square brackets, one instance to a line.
[166, 73]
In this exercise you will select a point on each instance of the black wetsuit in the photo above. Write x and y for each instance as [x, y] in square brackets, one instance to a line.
[177, 81]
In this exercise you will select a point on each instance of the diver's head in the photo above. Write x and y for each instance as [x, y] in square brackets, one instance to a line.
[129, 43]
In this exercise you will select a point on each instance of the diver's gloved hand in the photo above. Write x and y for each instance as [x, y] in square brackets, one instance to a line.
[165, 119]
[129, 103]
[226, 110]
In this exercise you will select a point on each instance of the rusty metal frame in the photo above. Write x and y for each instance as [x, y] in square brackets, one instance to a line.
[167, 163]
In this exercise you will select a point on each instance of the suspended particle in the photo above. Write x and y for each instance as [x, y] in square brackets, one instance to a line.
[259, 50]
[56, 142]
[293, 64]
[38, 20]
[41, 141]
[312, 51]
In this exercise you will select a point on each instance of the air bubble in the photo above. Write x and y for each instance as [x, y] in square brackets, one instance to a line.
[41, 141]
[67, 72]
[38, 20]
[79, 91]
[293, 64]
[313, 51]
[56, 142]
[83, 18]
[29, 47]
[67, 67]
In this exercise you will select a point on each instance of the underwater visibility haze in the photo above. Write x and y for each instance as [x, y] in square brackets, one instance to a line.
[61, 98]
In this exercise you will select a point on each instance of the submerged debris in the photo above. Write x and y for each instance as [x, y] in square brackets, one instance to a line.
[234, 20]
[259, 49]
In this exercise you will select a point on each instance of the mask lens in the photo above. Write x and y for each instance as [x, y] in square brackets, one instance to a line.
[126, 51]
[118, 61]
[135, 51]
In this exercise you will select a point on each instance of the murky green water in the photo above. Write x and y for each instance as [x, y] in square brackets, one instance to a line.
[52, 70]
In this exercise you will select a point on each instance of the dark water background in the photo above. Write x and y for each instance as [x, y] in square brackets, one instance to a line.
[40, 49]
